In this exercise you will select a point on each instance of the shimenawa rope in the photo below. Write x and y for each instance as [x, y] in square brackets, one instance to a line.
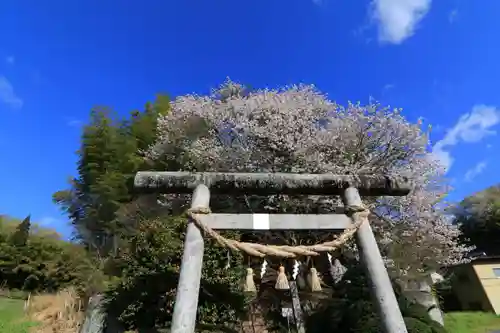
[359, 215]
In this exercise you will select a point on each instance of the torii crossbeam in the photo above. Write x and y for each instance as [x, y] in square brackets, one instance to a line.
[348, 186]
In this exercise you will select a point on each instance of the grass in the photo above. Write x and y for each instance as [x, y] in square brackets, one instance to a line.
[45, 313]
[471, 322]
[61, 312]
[12, 318]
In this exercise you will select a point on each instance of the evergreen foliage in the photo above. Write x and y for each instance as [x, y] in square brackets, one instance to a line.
[351, 310]
[144, 295]
[478, 217]
[109, 157]
[41, 262]
[138, 250]
[20, 236]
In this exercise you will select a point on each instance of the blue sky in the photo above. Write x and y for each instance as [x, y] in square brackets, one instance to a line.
[435, 59]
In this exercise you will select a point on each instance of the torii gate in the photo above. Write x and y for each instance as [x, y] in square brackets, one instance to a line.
[203, 184]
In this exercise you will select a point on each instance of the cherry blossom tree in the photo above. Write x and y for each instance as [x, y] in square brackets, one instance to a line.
[298, 129]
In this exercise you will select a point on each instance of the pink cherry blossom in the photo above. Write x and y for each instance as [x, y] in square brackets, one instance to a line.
[298, 129]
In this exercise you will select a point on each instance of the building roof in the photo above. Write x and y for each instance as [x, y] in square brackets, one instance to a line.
[481, 259]
[484, 259]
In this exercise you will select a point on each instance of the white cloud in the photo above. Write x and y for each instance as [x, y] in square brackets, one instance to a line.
[453, 15]
[398, 19]
[475, 171]
[471, 127]
[48, 222]
[388, 86]
[74, 123]
[7, 94]
[10, 60]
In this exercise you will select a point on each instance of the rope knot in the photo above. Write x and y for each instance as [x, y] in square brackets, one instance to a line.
[199, 210]
[354, 209]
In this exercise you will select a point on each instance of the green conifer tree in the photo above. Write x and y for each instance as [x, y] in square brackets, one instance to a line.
[109, 157]
[21, 235]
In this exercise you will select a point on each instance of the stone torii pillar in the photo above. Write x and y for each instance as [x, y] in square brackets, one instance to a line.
[348, 186]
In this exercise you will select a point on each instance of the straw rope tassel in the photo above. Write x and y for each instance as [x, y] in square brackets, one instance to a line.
[313, 278]
[249, 285]
[282, 281]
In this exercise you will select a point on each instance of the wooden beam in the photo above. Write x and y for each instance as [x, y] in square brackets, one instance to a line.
[276, 221]
[270, 183]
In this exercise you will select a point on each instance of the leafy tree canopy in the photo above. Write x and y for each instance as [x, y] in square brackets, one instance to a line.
[21, 235]
[109, 157]
[38, 261]
[478, 217]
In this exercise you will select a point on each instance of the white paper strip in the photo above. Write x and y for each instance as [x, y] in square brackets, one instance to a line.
[261, 221]
[263, 268]
[296, 266]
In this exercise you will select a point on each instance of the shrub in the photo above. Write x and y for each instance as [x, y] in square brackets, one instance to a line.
[144, 295]
[417, 326]
[351, 310]
[44, 263]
